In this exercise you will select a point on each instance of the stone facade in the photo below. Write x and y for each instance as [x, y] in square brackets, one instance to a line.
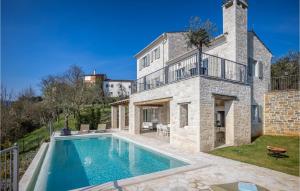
[239, 125]
[282, 113]
[201, 92]
[185, 91]
[258, 52]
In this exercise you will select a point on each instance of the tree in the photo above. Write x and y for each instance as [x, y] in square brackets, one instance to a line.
[68, 93]
[98, 115]
[199, 33]
[8, 122]
[122, 93]
[19, 115]
[286, 65]
[285, 72]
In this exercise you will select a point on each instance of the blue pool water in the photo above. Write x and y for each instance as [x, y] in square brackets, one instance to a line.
[76, 163]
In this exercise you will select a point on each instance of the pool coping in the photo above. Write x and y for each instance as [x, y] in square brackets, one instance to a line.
[28, 179]
[141, 178]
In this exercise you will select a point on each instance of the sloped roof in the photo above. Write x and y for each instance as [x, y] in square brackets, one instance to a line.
[254, 33]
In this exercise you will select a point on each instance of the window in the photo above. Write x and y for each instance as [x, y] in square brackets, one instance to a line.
[145, 61]
[107, 85]
[256, 67]
[111, 85]
[111, 93]
[179, 73]
[129, 86]
[155, 54]
[204, 66]
[150, 115]
[183, 115]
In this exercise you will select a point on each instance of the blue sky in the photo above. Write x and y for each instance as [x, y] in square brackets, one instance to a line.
[41, 37]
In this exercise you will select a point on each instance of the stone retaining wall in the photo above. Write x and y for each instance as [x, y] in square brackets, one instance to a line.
[282, 113]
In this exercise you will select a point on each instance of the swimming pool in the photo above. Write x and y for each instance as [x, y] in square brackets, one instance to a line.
[80, 162]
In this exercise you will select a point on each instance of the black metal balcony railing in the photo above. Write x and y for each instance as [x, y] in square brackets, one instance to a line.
[188, 66]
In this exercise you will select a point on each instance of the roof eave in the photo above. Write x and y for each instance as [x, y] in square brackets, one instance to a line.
[160, 37]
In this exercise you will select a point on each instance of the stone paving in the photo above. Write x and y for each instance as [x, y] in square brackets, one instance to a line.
[214, 170]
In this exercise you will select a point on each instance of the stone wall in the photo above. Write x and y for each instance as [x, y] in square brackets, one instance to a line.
[240, 111]
[282, 113]
[258, 52]
[185, 91]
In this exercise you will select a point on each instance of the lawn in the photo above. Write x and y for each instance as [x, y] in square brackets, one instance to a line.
[256, 153]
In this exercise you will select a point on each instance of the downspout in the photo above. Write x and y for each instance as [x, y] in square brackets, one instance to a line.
[163, 55]
[164, 42]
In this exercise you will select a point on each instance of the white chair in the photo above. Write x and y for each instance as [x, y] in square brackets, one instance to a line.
[166, 130]
[159, 129]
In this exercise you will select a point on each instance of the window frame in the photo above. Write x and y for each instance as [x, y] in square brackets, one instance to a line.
[183, 107]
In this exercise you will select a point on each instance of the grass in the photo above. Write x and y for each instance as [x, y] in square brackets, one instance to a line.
[256, 153]
[30, 143]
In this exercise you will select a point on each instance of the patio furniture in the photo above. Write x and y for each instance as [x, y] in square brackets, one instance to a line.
[147, 125]
[159, 129]
[166, 130]
[84, 128]
[101, 128]
[276, 152]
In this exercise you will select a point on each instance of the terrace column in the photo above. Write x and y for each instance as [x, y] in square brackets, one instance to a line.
[114, 117]
[229, 122]
[135, 118]
[121, 117]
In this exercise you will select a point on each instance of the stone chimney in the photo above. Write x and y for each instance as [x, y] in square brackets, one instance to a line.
[235, 25]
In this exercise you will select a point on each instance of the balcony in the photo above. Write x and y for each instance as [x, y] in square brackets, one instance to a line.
[187, 66]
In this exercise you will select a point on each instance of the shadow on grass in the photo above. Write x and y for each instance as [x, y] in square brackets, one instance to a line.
[278, 155]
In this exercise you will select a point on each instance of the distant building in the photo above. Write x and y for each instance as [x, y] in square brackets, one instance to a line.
[111, 88]
[92, 78]
[117, 88]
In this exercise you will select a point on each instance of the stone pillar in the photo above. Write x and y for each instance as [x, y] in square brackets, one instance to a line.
[137, 121]
[121, 117]
[114, 117]
[229, 122]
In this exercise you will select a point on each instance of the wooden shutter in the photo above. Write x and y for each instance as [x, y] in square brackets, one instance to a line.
[260, 70]
[140, 64]
[157, 55]
[223, 68]
[152, 56]
[148, 60]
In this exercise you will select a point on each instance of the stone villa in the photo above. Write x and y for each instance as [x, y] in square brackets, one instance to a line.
[202, 105]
